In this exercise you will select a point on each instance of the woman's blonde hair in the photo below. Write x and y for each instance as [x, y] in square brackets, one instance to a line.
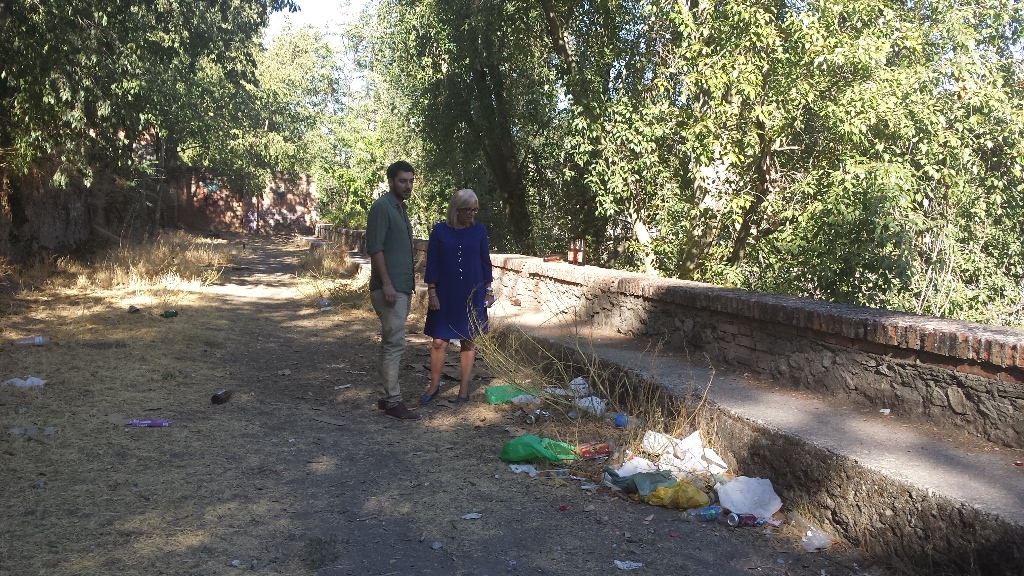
[462, 199]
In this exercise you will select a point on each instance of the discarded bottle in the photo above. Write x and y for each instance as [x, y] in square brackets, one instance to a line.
[705, 514]
[32, 341]
[221, 396]
[744, 520]
[623, 421]
[169, 313]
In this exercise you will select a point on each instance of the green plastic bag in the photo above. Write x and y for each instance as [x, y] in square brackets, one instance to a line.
[529, 447]
[502, 393]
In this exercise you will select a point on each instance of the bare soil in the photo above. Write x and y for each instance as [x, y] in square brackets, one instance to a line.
[297, 473]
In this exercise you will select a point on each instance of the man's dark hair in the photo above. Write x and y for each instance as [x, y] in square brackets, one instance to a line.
[400, 166]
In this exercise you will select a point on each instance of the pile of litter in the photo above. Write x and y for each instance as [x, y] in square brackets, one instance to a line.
[680, 473]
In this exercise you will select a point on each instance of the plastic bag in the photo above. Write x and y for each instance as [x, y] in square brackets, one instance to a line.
[815, 539]
[593, 404]
[744, 495]
[643, 483]
[502, 393]
[529, 447]
[680, 496]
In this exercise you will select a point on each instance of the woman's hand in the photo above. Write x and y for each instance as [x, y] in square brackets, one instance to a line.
[489, 300]
[432, 302]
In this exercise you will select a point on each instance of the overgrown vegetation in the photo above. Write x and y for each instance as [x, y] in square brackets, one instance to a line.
[865, 152]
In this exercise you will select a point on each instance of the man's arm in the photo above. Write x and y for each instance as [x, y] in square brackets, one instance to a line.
[378, 267]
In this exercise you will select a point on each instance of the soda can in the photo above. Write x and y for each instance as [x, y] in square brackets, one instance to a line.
[744, 520]
[221, 396]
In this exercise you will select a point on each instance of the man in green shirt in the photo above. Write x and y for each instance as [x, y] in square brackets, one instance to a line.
[389, 244]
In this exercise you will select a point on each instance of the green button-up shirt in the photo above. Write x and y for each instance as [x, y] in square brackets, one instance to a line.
[388, 229]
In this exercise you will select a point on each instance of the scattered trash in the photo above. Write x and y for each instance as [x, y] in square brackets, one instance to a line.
[525, 399]
[562, 507]
[735, 520]
[593, 451]
[684, 457]
[589, 486]
[635, 465]
[501, 393]
[577, 388]
[1018, 463]
[529, 447]
[680, 496]
[743, 495]
[593, 404]
[642, 483]
[221, 396]
[436, 545]
[149, 423]
[627, 565]
[133, 309]
[815, 539]
[322, 302]
[528, 468]
[472, 516]
[31, 341]
[623, 421]
[885, 411]
[285, 372]
[327, 308]
[169, 313]
[531, 418]
[560, 473]
[236, 563]
[40, 483]
[343, 386]
[705, 514]
[29, 382]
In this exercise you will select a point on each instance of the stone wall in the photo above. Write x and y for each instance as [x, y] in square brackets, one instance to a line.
[948, 373]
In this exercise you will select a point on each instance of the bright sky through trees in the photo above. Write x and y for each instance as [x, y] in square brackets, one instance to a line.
[322, 14]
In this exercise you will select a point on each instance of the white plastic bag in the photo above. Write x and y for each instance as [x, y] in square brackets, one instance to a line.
[593, 404]
[744, 495]
[627, 565]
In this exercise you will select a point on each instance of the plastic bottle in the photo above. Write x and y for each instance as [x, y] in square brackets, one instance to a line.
[169, 313]
[623, 421]
[32, 341]
[705, 514]
[744, 520]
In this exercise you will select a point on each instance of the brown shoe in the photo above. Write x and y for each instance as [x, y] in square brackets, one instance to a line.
[401, 412]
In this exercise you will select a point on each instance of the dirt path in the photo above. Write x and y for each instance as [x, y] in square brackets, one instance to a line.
[297, 473]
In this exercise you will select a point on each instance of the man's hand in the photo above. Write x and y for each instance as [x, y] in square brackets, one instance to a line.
[390, 296]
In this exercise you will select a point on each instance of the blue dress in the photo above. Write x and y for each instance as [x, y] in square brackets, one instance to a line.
[458, 265]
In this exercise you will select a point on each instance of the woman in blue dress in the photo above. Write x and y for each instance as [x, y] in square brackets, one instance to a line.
[458, 278]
